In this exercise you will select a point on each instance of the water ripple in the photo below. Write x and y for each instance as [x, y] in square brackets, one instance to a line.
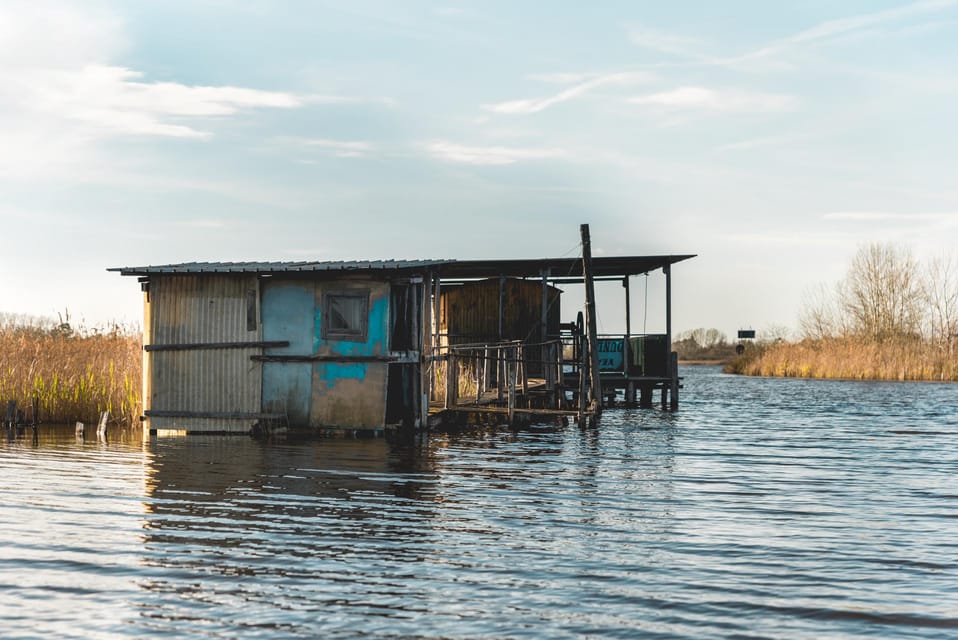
[764, 509]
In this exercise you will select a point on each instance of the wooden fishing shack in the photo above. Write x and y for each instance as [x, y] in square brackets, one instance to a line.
[364, 346]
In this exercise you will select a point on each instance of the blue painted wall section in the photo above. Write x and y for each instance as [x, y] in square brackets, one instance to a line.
[287, 312]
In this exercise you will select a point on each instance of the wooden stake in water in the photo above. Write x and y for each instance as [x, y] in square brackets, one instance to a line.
[102, 426]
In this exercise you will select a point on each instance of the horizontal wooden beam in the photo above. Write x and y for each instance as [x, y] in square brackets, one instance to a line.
[220, 415]
[324, 358]
[196, 346]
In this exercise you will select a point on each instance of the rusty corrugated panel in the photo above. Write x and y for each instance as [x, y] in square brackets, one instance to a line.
[200, 310]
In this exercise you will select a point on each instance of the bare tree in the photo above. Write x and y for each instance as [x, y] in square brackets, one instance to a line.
[941, 290]
[883, 295]
[820, 317]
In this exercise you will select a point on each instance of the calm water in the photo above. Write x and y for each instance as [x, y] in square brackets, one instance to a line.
[764, 509]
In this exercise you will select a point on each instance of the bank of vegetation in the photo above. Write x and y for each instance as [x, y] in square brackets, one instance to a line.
[891, 318]
[703, 346]
[75, 373]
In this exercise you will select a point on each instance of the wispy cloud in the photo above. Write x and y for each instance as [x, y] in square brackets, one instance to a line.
[664, 42]
[203, 224]
[831, 30]
[763, 141]
[342, 148]
[873, 216]
[452, 152]
[773, 55]
[55, 61]
[701, 98]
[535, 105]
[454, 12]
[339, 99]
[115, 100]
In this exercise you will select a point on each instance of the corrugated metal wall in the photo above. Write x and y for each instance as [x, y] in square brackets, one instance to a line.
[201, 310]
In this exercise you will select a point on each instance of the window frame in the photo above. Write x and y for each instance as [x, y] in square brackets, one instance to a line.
[346, 335]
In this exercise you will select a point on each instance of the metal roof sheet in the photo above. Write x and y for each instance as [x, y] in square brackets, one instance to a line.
[279, 267]
[603, 266]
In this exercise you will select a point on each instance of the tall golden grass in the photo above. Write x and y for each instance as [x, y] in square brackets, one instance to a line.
[851, 358]
[75, 375]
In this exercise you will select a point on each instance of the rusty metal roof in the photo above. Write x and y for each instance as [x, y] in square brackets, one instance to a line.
[280, 267]
[560, 268]
[604, 266]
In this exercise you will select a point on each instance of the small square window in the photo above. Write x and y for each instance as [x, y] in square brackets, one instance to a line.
[345, 315]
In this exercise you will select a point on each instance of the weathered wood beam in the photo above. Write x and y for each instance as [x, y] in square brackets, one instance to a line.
[197, 346]
[219, 415]
[325, 358]
[595, 385]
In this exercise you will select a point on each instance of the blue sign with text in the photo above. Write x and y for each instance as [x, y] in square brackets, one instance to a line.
[610, 353]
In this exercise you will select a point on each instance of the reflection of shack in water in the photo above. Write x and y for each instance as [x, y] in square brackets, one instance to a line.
[266, 531]
[238, 492]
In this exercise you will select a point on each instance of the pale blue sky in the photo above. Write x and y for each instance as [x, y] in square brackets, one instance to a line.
[771, 139]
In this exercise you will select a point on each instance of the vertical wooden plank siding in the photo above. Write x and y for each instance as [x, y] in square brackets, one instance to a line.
[470, 312]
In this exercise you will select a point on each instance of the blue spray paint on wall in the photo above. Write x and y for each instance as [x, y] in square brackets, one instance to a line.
[331, 372]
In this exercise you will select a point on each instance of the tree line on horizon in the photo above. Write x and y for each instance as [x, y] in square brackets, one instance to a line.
[892, 317]
[887, 295]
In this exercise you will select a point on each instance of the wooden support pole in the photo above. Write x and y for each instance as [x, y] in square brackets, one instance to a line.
[500, 373]
[486, 369]
[437, 312]
[524, 376]
[668, 307]
[670, 372]
[591, 322]
[421, 381]
[543, 349]
[427, 345]
[583, 379]
[480, 370]
[452, 380]
[557, 356]
[645, 397]
[513, 371]
[626, 343]
[502, 306]
[674, 359]
[101, 427]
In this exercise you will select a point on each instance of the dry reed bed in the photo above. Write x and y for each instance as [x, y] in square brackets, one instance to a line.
[851, 359]
[74, 376]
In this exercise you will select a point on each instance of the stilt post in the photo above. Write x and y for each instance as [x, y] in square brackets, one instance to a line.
[595, 385]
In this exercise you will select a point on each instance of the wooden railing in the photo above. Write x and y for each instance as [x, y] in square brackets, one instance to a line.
[494, 373]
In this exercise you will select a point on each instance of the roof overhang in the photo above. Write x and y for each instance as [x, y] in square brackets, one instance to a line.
[564, 269]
